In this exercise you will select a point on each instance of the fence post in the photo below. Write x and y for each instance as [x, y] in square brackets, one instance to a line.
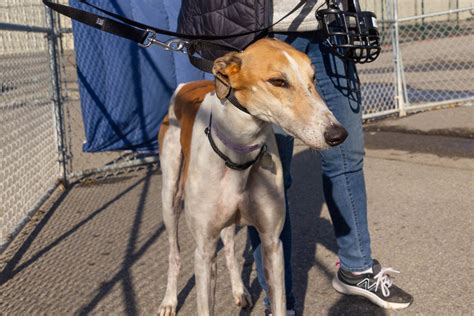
[397, 58]
[57, 98]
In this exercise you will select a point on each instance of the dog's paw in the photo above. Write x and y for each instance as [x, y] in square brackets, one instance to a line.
[243, 298]
[167, 308]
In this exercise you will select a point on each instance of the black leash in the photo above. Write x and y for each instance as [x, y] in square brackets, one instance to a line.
[146, 35]
[99, 22]
[177, 34]
[193, 45]
[228, 162]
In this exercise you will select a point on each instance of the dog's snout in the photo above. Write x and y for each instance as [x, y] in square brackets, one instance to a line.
[335, 134]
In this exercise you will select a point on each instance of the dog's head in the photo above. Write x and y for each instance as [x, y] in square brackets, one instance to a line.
[275, 82]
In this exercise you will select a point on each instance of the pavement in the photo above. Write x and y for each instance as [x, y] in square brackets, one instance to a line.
[100, 248]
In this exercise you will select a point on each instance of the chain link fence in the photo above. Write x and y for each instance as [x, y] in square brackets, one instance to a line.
[437, 59]
[30, 161]
[41, 127]
[378, 83]
[426, 58]
[426, 61]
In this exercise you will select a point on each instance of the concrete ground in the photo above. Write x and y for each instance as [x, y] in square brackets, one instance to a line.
[101, 247]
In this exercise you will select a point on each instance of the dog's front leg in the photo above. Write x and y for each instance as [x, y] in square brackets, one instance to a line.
[274, 265]
[205, 268]
[265, 210]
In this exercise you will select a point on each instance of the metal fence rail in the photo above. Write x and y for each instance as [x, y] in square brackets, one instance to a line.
[426, 61]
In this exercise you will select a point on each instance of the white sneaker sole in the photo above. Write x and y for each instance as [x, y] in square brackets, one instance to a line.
[354, 290]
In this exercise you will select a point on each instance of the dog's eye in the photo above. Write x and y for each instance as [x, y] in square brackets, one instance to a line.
[279, 82]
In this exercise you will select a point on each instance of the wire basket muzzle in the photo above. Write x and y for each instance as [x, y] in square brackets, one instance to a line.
[351, 35]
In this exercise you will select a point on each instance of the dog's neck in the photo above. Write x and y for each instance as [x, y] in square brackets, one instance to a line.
[238, 129]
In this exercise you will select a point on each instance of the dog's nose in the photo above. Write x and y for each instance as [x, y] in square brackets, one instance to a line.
[335, 134]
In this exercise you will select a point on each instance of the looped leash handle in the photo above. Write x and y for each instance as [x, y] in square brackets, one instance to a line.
[139, 32]
[100, 22]
[145, 35]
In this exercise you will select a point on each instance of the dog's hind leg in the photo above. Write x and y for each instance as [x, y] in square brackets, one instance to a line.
[171, 159]
[241, 295]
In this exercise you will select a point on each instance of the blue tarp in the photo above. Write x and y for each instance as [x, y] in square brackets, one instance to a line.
[125, 89]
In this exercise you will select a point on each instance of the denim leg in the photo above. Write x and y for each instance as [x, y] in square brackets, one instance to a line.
[343, 177]
[285, 149]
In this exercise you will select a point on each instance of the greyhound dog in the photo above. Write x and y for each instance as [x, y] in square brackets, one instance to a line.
[220, 162]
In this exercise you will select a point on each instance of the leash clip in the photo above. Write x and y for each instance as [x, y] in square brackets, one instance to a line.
[174, 44]
[177, 45]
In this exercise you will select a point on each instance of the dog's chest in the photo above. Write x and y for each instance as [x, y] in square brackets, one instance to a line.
[232, 187]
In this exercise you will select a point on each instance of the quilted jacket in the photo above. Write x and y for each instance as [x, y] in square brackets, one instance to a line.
[225, 17]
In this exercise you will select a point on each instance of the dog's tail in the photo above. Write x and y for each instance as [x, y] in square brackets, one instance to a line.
[172, 163]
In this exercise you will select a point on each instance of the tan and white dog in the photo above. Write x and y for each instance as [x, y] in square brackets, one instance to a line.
[275, 84]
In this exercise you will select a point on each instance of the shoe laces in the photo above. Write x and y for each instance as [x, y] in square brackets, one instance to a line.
[384, 281]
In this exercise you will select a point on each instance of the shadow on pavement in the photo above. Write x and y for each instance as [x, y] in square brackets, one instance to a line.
[11, 268]
[130, 257]
[409, 141]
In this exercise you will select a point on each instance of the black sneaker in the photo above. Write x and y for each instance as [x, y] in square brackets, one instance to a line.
[376, 286]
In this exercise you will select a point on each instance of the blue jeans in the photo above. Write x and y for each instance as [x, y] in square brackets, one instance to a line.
[342, 166]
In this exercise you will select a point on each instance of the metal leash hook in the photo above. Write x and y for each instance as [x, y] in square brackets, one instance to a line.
[174, 44]
[177, 44]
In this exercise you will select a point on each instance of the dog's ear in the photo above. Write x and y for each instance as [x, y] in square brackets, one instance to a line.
[224, 67]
